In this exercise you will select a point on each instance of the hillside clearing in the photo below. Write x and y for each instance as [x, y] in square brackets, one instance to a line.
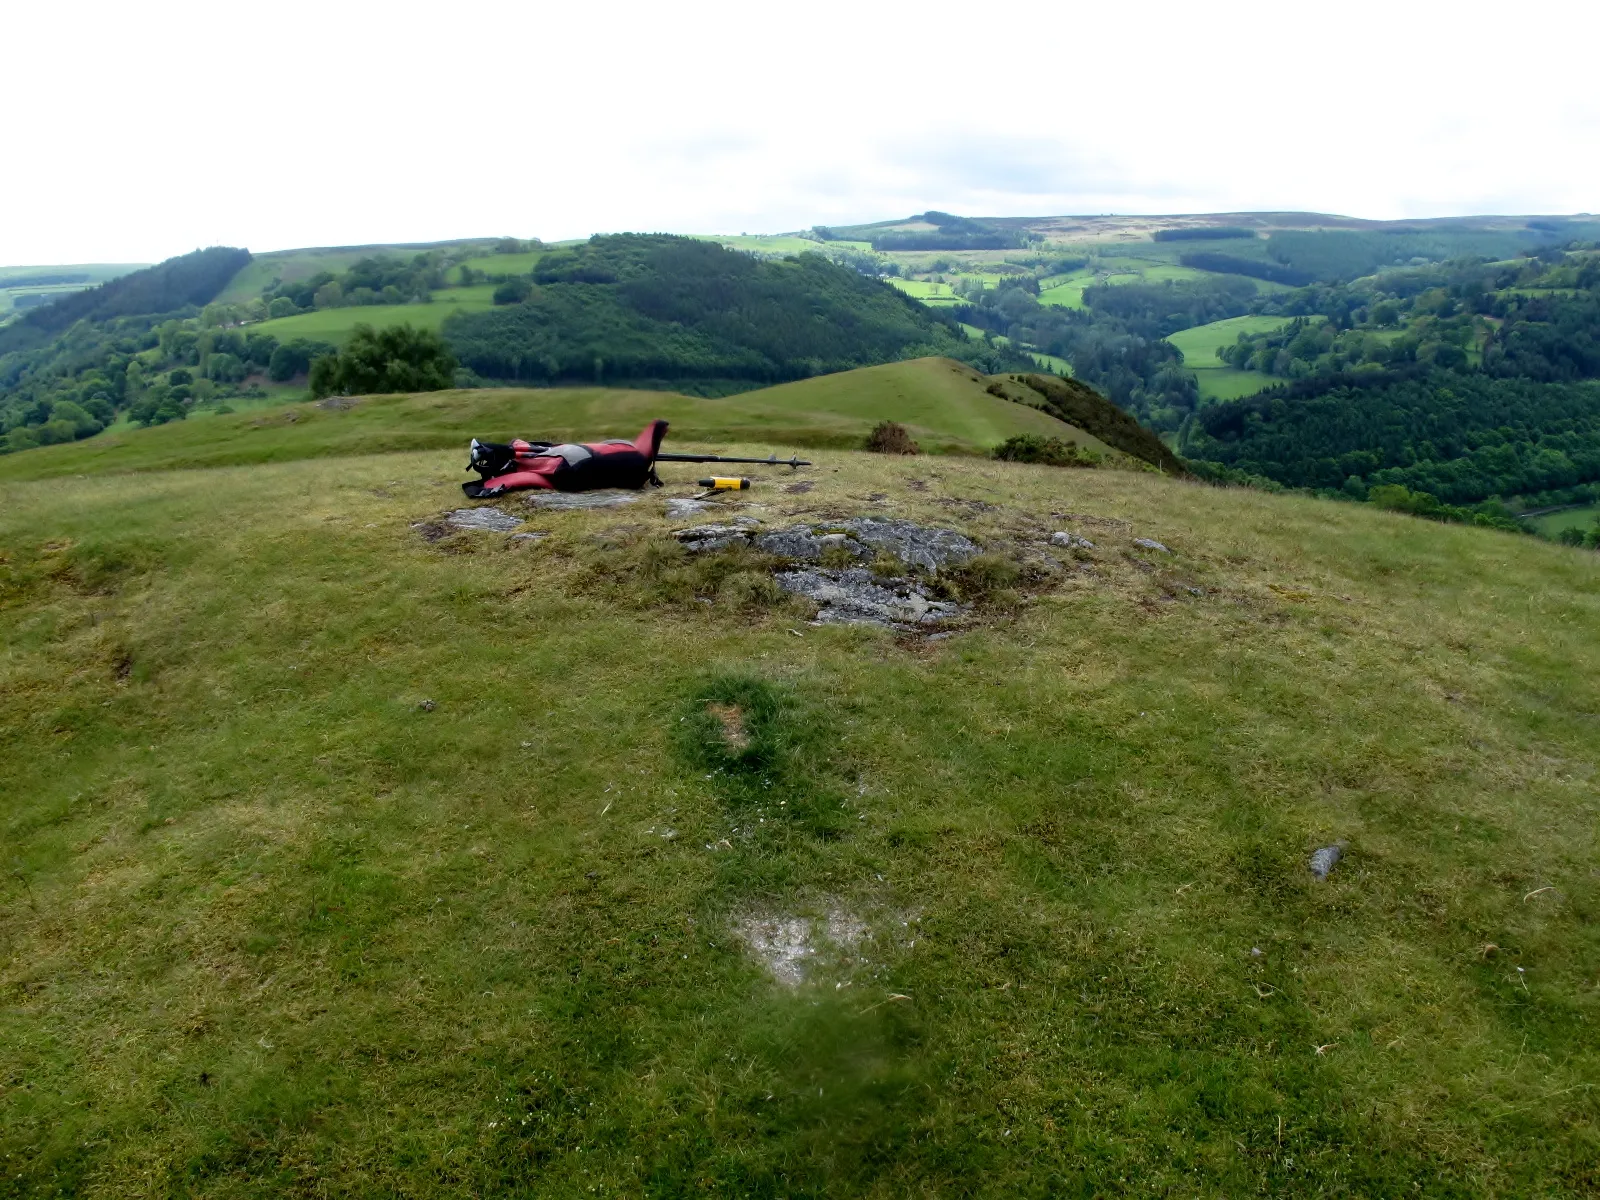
[1217, 380]
[1581, 518]
[336, 324]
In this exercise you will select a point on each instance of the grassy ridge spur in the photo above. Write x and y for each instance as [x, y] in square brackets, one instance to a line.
[343, 861]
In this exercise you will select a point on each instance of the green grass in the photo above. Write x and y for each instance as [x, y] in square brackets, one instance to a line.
[294, 265]
[271, 928]
[1230, 383]
[927, 290]
[505, 264]
[335, 324]
[1051, 362]
[1201, 343]
[778, 243]
[1551, 524]
[1217, 380]
[1065, 295]
[942, 402]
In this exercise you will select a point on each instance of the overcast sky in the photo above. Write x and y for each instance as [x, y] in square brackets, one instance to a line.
[138, 131]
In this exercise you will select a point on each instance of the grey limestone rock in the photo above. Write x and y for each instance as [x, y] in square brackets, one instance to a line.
[1322, 862]
[686, 507]
[698, 538]
[855, 597]
[913, 544]
[492, 520]
[568, 500]
[1070, 540]
[1150, 544]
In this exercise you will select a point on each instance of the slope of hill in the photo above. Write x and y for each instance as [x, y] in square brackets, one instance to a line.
[946, 405]
[943, 403]
[188, 281]
[341, 861]
[23, 288]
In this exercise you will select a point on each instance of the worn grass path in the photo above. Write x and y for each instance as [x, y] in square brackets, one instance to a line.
[269, 926]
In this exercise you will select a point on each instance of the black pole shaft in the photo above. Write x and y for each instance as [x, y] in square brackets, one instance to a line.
[716, 458]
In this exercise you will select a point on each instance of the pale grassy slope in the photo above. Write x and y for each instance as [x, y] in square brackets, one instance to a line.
[936, 398]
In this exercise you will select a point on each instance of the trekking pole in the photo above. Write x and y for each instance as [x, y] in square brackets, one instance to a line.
[771, 461]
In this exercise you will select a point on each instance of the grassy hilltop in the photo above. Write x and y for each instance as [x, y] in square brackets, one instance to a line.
[344, 861]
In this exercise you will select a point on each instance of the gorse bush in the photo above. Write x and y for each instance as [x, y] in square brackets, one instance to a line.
[888, 437]
[1050, 451]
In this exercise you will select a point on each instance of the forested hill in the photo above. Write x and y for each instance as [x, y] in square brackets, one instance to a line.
[1462, 437]
[191, 280]
[636, 307]
[1464, 381]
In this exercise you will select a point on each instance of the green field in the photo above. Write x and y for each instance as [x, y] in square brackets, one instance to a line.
[1551, 524]
[928, 291]
[505, 264]
[1216, 379]
[1200, 344]
[340, 862]
[1051, 362]
[780, 243]
[290, 266]
[294, 265]
[1066, 295]
[335, 324]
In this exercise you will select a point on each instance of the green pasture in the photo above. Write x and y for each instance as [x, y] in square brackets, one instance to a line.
[340, 861]
[293, 265]
[1551, 524]
[1230, 383]
[1051, 362]
[505, 264]
[1201, 343]
[336, 324]
[924, 289]
[1065, 295]
[290, 266]
[778, 243]
[1218, 381]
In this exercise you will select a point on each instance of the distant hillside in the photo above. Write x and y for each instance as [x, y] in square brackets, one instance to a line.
[192, 279]
[930, 231]
[636, 307]
[25, 287]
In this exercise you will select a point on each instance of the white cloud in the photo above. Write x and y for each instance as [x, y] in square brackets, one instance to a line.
[142, 131]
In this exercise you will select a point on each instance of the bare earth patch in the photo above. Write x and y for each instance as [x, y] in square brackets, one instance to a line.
[788, 945]
[731, 718]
